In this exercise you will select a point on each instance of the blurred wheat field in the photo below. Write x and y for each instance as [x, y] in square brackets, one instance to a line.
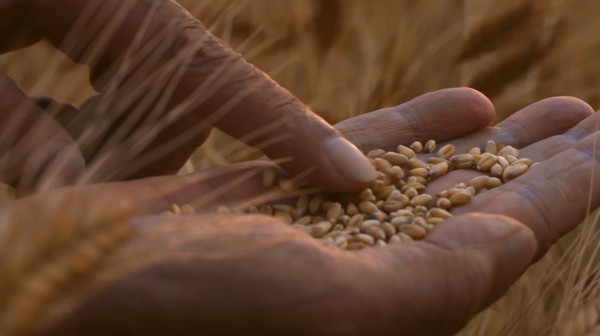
[347, 57]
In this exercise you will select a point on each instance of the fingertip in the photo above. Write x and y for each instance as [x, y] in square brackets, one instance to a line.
[563, 110]
[347, 169]
[471, 102]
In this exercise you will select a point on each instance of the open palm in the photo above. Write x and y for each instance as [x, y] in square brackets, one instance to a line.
[231, 273]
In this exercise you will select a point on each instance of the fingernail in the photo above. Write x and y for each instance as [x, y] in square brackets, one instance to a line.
[349, 161]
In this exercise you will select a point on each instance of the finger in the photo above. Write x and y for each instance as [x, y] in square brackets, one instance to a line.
[441, 115]
[554, 145]
[231, 185]
[189, 81]
[551, 198]
[466, 263]
[533, 123]
[36, 152]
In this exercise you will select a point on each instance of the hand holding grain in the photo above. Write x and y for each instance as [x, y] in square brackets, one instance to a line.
[256, 275]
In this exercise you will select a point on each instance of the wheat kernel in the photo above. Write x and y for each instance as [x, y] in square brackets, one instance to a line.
[314, 205]
[443, 203]
[302, 205]
[400, 220]
[316, 219]
[334, 212]
[416, 179]
[384, 192]
[221, 209]
[355, 220]
[526, 161]
[438, 170]
[389, 229]
[486, 162]
[496, 170]
[396, 173]
[396, 159]
[491, 147]
[420, 221]
[423, 172]
[394, 239]
[320, 229]
[462, 161]
[474, 151]
[367, 195]
[440, 213]
[367, 207]
[383, 165]
[380, 242]
[434, 220]
[342, 245]
[503, 162]
[391, 206]
[376, 232]
[414, 231]
[351, 209]
[416, 146]
[269, 178]
[510, 158]
[409, 153]
[471, 190]
[375, 153]
[187, 209]
[416, 163]
[368, 223]
[508, 150]
[435, 160]
[493, 182]
[266, 210]
[380, 216]
[411, 192]
[365, 238]
[478, 182]
[446, 151]
[394, 195]
[514, 171]
[460, 198]
[429, 146]
[175, 209]
[422, 199]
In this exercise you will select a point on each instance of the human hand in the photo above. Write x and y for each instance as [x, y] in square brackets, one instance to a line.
[253, 274]
[164, 81]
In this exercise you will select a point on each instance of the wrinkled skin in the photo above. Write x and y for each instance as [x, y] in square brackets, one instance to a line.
[227, 274]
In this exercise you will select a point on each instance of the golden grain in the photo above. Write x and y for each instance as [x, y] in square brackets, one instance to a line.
[320, 229]
[414, 231]
[416, 146]
[446, 151]
[514, 171]
[438, 170]
[430, 146]
[460, 198]
[375, 153]
[422, 199]
[416, 163]
[396, 159]
[496, 170]
[409, 153]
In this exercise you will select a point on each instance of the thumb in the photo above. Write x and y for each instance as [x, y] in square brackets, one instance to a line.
[464, 265]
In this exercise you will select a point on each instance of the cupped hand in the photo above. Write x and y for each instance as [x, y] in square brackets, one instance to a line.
[253, 274]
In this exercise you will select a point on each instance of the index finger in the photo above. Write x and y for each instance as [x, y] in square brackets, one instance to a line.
[154, 59]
